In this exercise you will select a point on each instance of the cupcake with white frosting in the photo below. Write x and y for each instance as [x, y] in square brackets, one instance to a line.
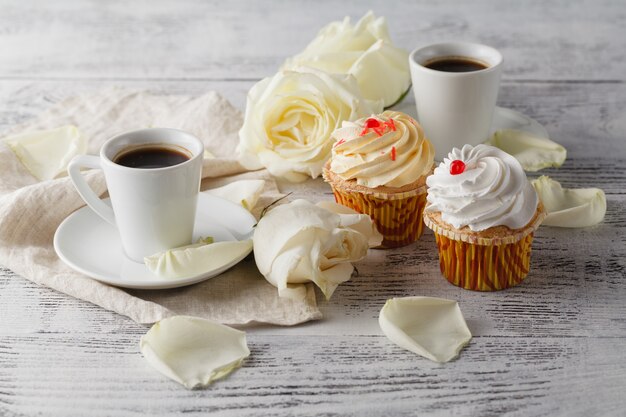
[484, 212]
[379, 167]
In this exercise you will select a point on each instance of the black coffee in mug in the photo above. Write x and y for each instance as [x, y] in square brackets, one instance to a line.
[151, 156]
[455, 64]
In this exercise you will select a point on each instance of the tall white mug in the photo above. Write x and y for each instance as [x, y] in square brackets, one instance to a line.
[455, 108]
[153, 208]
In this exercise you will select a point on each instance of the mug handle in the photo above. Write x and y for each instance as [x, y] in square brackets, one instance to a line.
[85, 191]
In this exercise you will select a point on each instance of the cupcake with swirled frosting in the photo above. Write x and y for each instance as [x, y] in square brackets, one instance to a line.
[379, 167]
[484, 212]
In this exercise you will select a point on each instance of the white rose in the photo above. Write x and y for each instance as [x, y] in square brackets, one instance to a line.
[302, 242]
[290, 117]
[364, 50]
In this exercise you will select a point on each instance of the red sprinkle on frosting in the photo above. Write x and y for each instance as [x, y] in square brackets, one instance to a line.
[393, 153]
[457, 167]
[377, 126]
[372, 123]
[339, 142]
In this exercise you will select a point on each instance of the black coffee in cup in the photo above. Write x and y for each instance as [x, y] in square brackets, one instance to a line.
[151, 156]
[455, 64]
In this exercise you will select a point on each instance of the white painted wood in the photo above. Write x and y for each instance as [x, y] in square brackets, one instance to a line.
[552, 346]
[199, 39]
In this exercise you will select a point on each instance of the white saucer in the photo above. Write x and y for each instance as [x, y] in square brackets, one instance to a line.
[92, 246]
[503, 118]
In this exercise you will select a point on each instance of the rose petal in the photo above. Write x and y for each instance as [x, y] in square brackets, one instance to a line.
[300, 242]
[431, 327]
[533, 152]
[193, 351]
[581, 207]
[244, 192]
[193, 260]
[46, 153]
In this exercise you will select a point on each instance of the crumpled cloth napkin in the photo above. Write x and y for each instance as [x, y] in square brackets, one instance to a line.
[30, 211]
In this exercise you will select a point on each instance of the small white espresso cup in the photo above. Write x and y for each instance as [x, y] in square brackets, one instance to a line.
[153, 208]
[455, 108]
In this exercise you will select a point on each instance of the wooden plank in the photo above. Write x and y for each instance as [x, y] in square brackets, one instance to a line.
[558, 40]
[309, 375]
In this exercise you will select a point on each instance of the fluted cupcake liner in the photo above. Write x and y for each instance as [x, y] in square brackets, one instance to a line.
[484, 267]
[491, 260]
[398, 215]
[399, 221]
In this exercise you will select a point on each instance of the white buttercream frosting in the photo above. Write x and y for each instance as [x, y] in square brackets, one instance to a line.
[393, 154]
[491, 191]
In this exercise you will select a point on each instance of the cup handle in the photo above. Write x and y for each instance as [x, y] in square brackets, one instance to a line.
[85, 191]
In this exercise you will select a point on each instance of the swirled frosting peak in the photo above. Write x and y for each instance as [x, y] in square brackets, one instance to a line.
[481, 187]
[388, 149]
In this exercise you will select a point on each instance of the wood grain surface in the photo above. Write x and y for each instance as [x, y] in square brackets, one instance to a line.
[554, 346]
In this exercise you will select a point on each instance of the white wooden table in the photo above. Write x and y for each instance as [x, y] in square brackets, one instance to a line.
[555, 345]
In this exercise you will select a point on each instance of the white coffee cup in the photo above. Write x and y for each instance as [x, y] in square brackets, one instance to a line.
[455, 108]
[153, 208]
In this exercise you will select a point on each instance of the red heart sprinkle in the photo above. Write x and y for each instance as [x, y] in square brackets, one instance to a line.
[457, 167]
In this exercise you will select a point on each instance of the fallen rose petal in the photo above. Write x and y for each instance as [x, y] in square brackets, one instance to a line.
[533, 152]
[46, 153]
[431, 327]
[581, 207]
[192, 260]
[244, 192]
[193, 351]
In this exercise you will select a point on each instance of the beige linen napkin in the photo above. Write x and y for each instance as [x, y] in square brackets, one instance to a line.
[30, 211]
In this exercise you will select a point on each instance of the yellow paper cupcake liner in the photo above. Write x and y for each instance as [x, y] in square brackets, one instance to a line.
[397, 213]
[484, 267]
[398, 220]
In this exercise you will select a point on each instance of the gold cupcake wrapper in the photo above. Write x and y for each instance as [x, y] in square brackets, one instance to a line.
[399, 221]
[484, 261]
[484, 267]
[398, 216]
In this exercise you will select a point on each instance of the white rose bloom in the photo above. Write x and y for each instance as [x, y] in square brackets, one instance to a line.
[302, 242]
[364, 50]
[290, 117]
